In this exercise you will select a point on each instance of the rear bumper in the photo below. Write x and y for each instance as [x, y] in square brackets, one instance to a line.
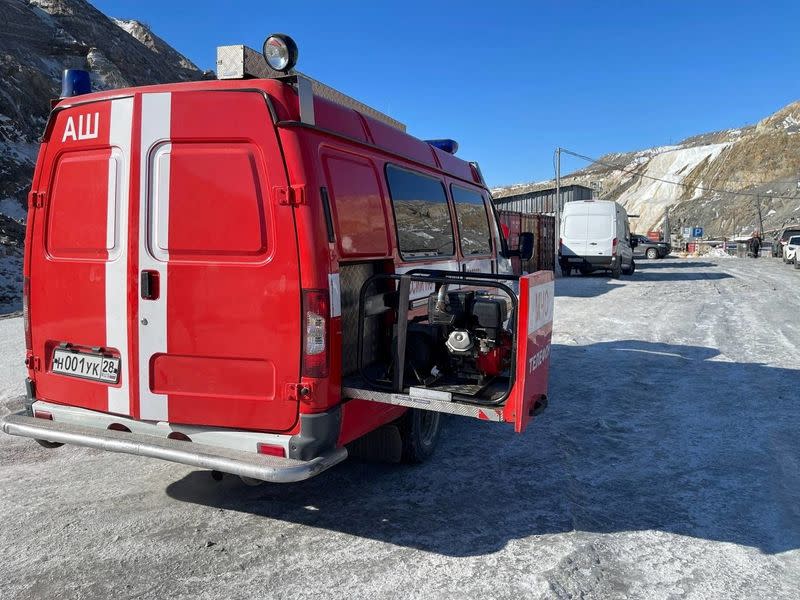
[203, 456]
[591, 262]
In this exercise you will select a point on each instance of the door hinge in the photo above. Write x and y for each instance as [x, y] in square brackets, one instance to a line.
[293, 195]
[36, 199]
[33, 362]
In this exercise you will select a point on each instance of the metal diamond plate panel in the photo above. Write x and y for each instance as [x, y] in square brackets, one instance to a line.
[238, 62]
[351, 278]
[453, 408]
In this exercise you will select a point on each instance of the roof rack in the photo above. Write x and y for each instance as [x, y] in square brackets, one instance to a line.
[241, 62]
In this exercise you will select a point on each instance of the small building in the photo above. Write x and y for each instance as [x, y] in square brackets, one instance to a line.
[542, 201]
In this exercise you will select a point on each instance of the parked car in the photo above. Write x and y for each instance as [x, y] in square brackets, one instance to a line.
[647, 248]
[595, 236]
[790, 249]
[780, 240]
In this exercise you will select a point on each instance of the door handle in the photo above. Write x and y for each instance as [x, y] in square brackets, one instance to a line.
[149, 285]
[593, 243]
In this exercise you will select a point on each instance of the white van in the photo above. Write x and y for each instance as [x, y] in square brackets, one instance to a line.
[595, 235]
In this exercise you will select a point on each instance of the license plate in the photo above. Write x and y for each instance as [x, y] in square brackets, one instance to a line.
[86, 366]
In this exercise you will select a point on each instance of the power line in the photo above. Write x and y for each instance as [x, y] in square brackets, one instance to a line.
[678, 183]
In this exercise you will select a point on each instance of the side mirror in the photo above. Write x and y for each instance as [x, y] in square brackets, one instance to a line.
[526, 245]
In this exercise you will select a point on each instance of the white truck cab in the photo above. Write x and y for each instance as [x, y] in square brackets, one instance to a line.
[595, 235]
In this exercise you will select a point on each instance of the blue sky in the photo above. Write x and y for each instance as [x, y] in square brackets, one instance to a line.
[512, 80]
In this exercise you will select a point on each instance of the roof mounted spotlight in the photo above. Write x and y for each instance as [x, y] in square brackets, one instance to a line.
[280, 52]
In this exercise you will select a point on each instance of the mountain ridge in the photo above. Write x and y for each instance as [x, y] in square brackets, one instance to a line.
[39, 39]
[712, 179]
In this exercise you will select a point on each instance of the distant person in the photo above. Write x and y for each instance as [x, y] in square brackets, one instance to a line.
[755, 245]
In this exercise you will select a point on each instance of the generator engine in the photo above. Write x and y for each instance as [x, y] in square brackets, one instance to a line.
[471, 325]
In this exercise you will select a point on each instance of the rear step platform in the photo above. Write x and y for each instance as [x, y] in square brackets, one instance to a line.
[237, 462]
[427, 399]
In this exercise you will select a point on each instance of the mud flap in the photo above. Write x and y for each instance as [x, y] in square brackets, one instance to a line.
[534, 333]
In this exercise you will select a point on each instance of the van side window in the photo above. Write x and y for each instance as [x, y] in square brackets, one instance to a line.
[357, 204]
[473, 225]
[421, 213]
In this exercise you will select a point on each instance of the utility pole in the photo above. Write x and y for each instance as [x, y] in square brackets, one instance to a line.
[760, 220]
[558, 202]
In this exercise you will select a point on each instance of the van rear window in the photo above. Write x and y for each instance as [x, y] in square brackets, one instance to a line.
[473, 224]
[421, 212]
[600, 227]
[209, 202]
[575, 227]
[78, 215]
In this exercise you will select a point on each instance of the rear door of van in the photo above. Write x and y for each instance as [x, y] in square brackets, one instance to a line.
[163, 245]
[574, 229]
[601, 228]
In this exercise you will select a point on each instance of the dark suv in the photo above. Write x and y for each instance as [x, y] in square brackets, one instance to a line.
[783, 236]
[649, 248]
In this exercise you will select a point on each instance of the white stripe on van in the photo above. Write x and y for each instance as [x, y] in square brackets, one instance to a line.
[119, 170]
[154, 202]
[336, 294]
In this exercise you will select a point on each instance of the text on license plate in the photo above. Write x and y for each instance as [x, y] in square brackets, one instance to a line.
[88, 366]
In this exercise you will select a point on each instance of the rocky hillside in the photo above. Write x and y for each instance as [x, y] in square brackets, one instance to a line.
[38, 39]
[700, 175]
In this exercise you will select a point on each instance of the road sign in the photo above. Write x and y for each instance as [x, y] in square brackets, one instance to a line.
[687, 232]
[697, 232]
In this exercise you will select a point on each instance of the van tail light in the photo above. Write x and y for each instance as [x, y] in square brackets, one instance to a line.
[316, 315]
[614, 245]
[26, 317]
[560, 244]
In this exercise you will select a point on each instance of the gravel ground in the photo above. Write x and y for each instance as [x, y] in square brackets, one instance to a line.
[666, 466]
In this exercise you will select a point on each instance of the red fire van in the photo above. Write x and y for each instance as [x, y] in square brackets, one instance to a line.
[244, 276]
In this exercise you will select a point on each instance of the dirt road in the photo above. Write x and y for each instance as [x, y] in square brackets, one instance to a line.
[667, 465]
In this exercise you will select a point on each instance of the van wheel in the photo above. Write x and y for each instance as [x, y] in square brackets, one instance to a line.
[616, 271]
[419, 432]
[651, 253]
[630, 270]
[46, 444]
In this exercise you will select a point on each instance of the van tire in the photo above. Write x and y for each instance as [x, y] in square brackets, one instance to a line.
[46, 444]
[652, 253]
[630, 270]
[419, 432]
[616, 271]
